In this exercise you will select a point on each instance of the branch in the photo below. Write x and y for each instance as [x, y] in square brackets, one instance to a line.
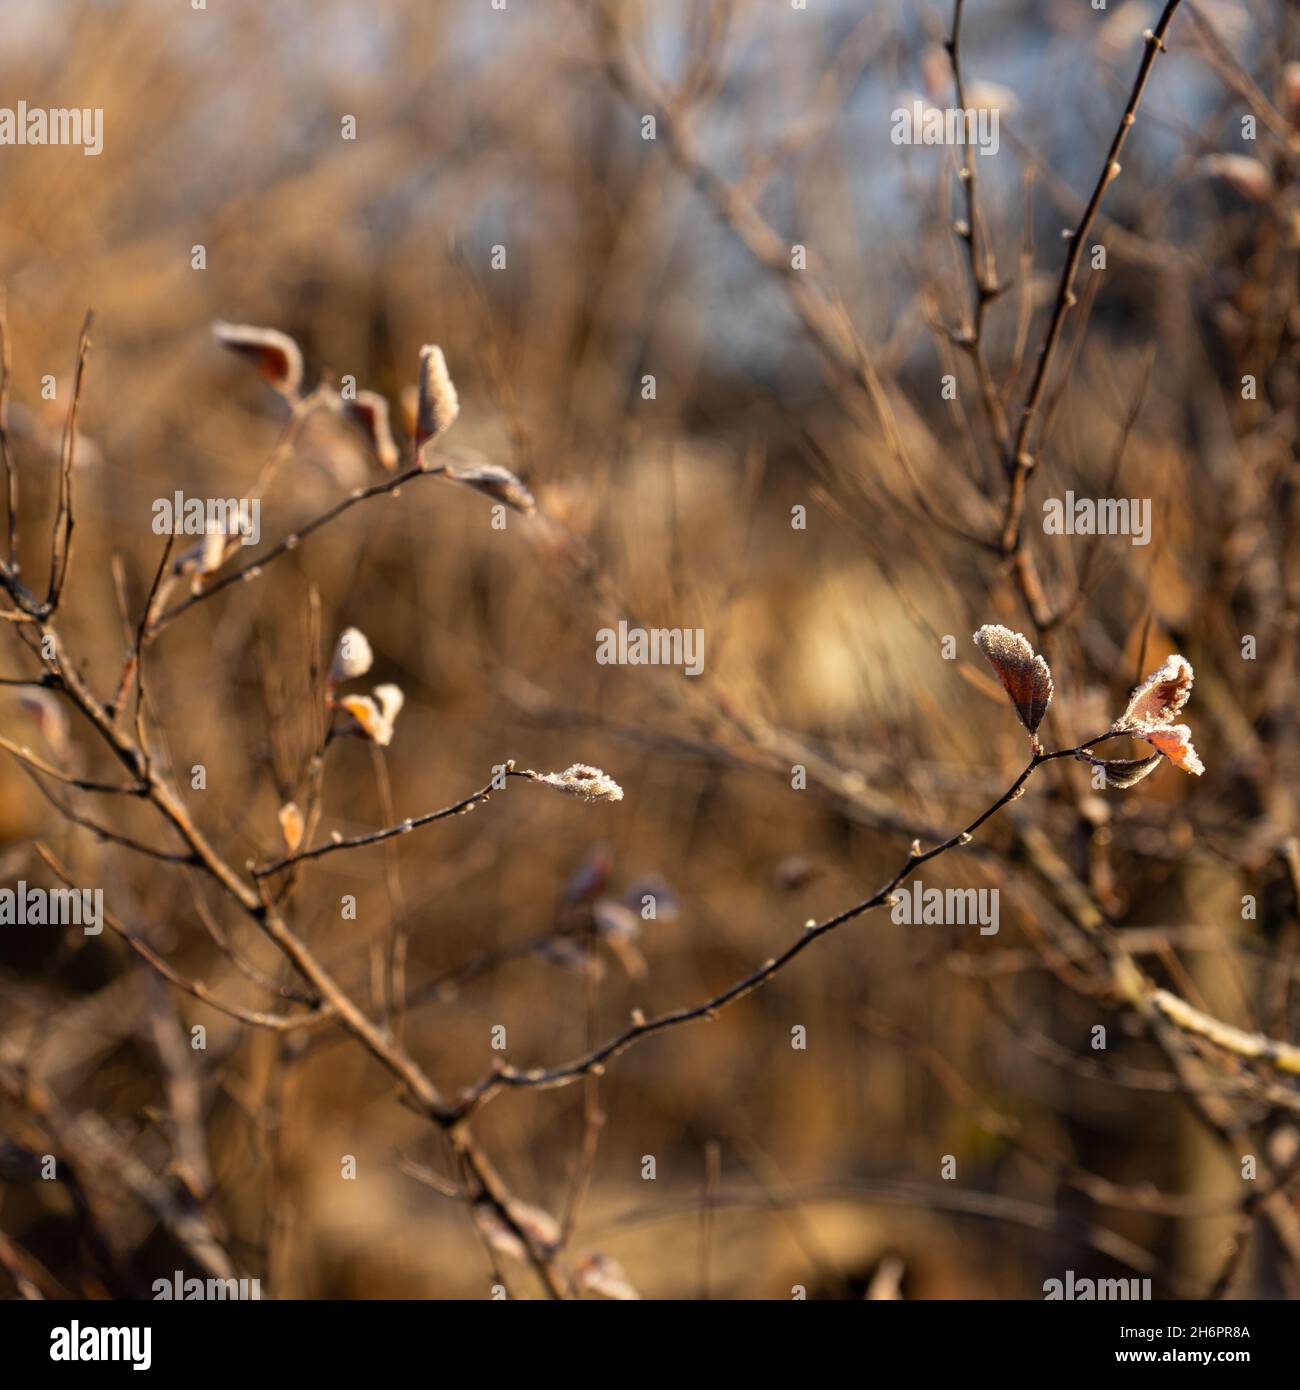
[29, 760]
[6, 458]
[379, 836]
[983, 273]
[1021, 460]
[254, 568]
[61, 545]
[1253, 1046]
[503, 1077]
[254, 1017]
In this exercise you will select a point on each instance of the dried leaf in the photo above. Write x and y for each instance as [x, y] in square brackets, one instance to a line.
[391, 700]
[590, 877]
[599, 1274]
[493, 480]
[352, 656]
[214, 550]
[564, 952]
[374, 717]
[50, 717]
[436, 404]
[1242, 173]
[619, 927]
[1023, 673]
[615, 922]
[370, 411]
[204, 558]
[275, 355]
[1161, 697]
[1153, 707]
[291, 825]
[886, 1284]
[1123, 773]
[366, 715]
[590, 783]
[540, 1227]
[1175, 742]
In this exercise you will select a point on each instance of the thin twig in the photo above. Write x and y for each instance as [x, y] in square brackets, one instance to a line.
[378, 837]
[1021, 460]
